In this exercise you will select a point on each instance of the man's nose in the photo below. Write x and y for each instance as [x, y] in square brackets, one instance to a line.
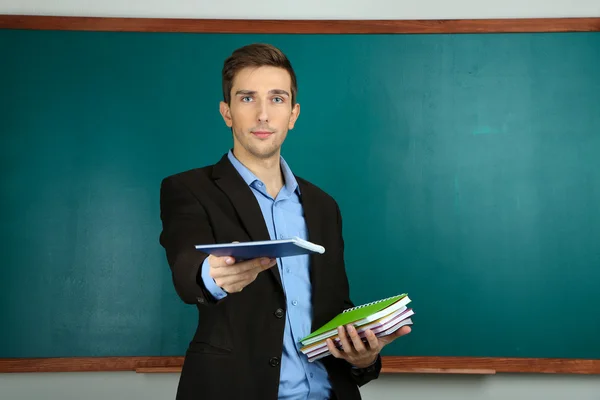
[263, 115]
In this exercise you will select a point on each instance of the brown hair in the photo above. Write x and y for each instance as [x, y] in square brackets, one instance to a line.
[255, 55]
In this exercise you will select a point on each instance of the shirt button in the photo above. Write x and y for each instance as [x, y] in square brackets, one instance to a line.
[295, 302]
[279, 313]
[274, 361]
[287, 270]
[280, 236]
[311, 375]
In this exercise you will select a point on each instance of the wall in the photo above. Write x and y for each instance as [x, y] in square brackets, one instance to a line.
[313, 9]
[128, 385]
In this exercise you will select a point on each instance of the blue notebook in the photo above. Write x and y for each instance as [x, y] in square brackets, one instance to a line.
[267, 248]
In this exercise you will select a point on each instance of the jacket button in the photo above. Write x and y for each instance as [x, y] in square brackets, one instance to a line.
[200, 300]
[279, 313]
[274, 361]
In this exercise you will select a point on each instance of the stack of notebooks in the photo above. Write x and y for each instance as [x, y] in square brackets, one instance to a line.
[383, 317]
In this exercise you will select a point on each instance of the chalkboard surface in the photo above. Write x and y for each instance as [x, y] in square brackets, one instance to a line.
[467, 165]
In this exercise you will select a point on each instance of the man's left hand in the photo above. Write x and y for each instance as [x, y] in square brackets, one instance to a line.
[358, 353]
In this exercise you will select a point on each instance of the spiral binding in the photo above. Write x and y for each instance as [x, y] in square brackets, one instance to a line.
[368, 304]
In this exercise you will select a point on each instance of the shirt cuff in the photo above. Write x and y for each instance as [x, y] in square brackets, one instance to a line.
[209, 283]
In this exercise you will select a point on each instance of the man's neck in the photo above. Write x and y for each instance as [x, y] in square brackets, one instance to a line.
[268, 170]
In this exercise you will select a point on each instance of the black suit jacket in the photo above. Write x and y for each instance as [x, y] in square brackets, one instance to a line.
[235, 352]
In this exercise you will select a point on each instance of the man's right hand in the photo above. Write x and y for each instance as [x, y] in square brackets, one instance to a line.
[232, 277]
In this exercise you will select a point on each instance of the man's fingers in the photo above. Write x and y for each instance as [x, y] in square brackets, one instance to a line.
[257, 264]
[359, 346]
[269, 264]
[231, 284]
[346, 346]
[372, 340]
[220, 262]
[234, 277]
[333, 350]
[405, 330]
[385, 340]
[236, 282]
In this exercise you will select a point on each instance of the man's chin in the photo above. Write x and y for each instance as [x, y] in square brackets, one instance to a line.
[260, 151]
[266, 155]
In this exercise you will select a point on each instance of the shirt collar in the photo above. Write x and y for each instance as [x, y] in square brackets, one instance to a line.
[291, 185]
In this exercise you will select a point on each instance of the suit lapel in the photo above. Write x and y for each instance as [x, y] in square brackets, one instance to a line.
[314, 220]
[244, 202]
[311, 213]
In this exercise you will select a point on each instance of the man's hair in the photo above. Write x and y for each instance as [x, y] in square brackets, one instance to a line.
[255, 55]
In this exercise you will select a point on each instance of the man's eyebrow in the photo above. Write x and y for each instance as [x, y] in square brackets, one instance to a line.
[279, 91]
[245, 92]
[253, 92]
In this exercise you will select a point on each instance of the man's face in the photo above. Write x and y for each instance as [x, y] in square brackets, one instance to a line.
[261, 111]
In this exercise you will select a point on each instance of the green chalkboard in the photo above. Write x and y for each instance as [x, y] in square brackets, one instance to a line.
[467, 168]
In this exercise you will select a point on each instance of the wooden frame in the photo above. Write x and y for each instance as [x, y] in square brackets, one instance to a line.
[299, 26]
[458, 365]
[391, 364]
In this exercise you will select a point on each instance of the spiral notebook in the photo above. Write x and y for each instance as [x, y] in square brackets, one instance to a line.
[380, 328]
[359, 316]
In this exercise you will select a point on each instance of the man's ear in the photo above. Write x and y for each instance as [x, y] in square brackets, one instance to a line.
[225, 113]
[294, 116]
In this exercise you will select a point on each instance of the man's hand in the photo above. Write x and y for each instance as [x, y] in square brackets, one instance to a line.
[358, 353]
[232, 277]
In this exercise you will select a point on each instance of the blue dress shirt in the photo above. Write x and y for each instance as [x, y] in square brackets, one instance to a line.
[284, 217]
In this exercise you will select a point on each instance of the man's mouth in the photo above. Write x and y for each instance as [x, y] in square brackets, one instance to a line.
[262, 134]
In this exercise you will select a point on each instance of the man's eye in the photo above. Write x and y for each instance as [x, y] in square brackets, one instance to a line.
[246, 98]
[278, 100]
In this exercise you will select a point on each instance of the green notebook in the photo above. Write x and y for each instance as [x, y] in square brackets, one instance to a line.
[358, 316]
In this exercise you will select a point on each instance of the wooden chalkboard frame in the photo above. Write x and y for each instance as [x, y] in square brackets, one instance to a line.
[391, 364]
[298, 26]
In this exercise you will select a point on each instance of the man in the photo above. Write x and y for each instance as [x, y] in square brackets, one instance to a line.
[252, 314]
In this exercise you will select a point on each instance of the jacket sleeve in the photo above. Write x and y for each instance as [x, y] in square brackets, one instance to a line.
[361, 376]
[364, 375]
[184, 224]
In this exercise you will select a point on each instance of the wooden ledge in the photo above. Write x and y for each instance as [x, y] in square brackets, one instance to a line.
[158, 370]
[298, 26]
[463, 371]
[391, 365]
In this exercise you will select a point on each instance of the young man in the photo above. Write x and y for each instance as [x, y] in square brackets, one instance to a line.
[252, 314]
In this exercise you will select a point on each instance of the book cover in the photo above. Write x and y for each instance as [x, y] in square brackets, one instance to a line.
[358, 316]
